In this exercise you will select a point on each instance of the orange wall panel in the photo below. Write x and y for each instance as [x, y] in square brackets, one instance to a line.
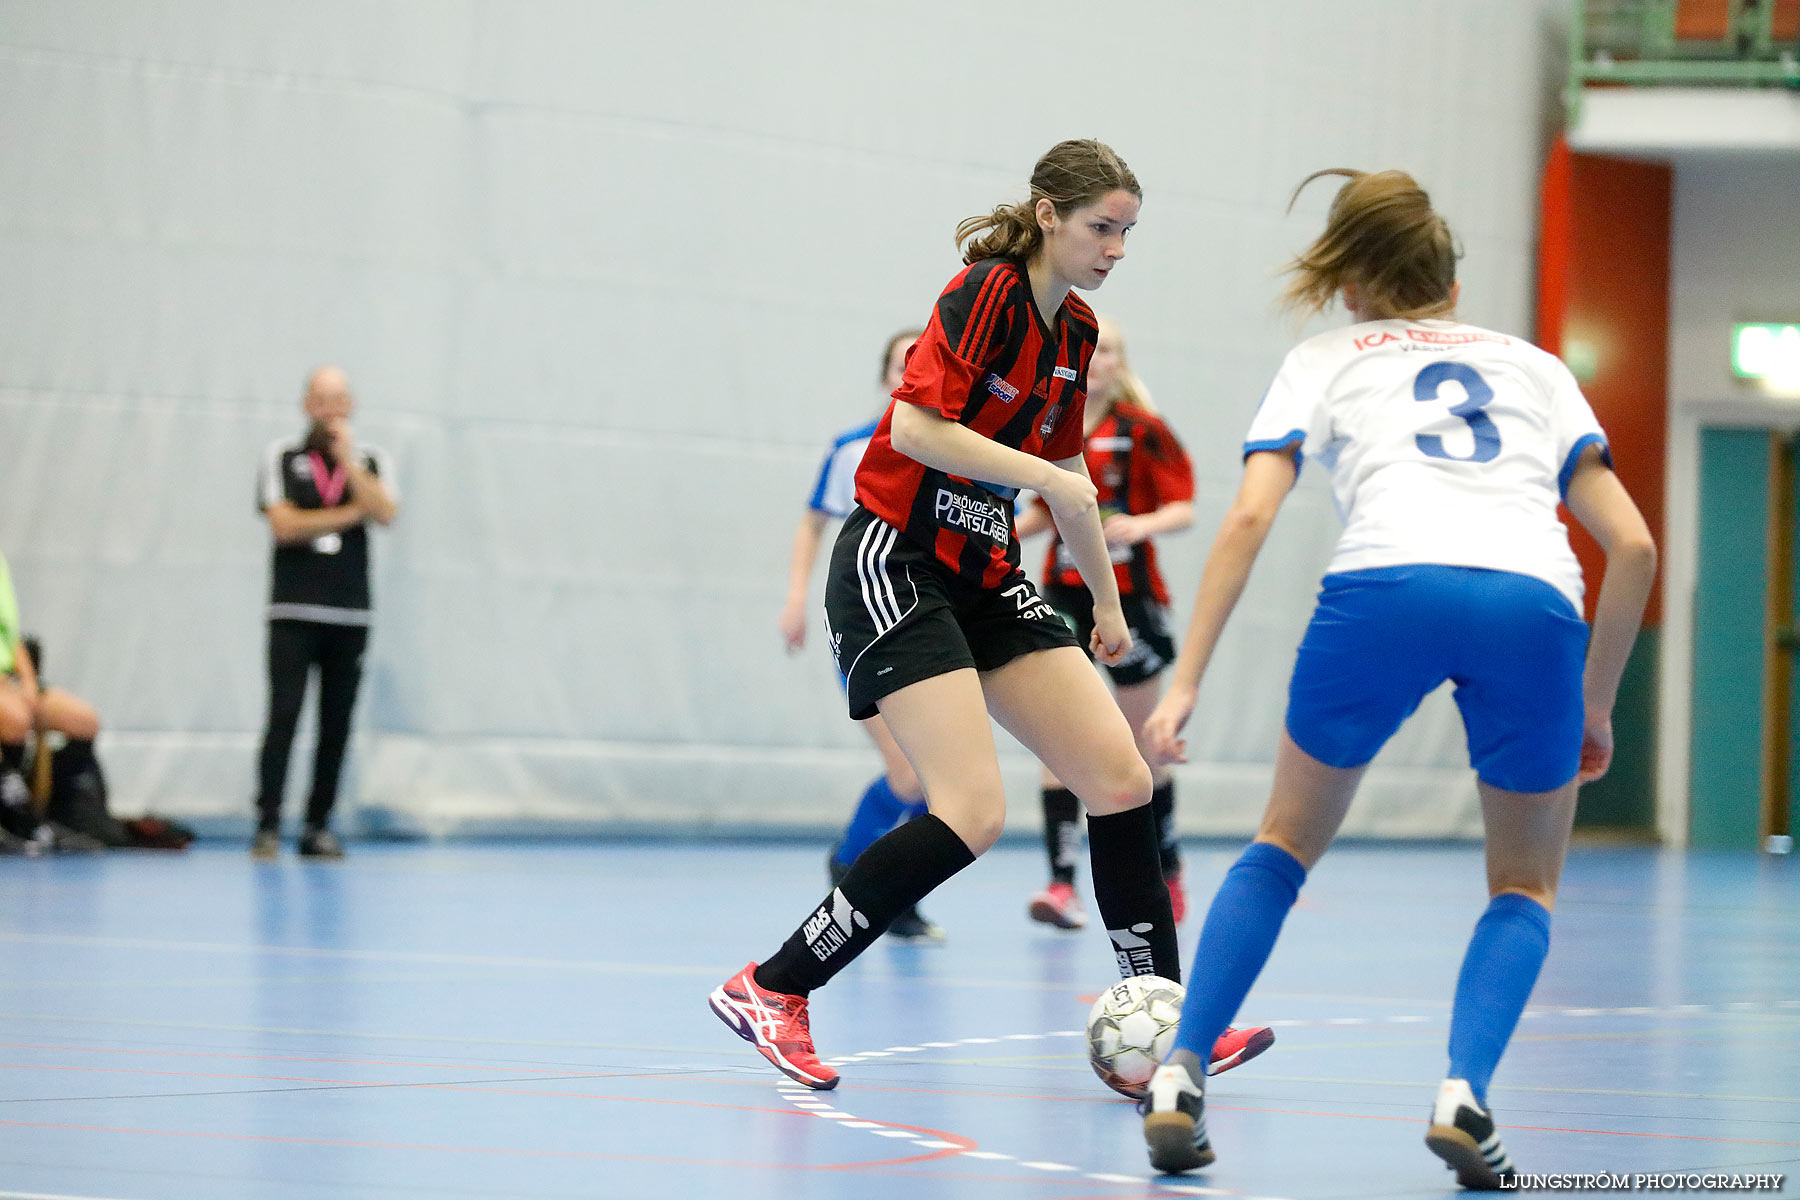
[1603, 304]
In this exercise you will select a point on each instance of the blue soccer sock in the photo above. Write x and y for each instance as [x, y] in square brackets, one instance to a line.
[878, 811]
[1240, 931]
[1498, 973]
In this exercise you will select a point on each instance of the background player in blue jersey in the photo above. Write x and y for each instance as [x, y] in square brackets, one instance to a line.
[1449, 447]
[895, 795]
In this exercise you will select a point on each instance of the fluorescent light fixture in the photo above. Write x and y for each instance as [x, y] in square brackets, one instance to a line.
[1766, 352]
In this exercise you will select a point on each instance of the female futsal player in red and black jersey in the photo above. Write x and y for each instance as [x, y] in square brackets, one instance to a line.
[934, 624]
[1146, 487]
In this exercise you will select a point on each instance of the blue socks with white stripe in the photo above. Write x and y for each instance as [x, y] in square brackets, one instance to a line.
[879, 810]
[1240, 931]
[1498, 973]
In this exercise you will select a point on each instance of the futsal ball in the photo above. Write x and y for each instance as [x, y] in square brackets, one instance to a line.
[1131, 1029]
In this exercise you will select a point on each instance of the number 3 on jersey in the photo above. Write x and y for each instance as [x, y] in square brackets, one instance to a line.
[1487, 435]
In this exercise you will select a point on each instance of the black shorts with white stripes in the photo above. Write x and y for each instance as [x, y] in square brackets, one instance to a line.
[895, 615]
[1152, 649]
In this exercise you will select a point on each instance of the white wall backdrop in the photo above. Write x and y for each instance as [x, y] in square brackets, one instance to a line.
[606, 277]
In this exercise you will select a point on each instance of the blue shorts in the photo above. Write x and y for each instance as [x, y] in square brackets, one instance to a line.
[1381, 640]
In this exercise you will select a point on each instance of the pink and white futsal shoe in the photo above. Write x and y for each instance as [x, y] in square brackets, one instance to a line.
[775, 1023]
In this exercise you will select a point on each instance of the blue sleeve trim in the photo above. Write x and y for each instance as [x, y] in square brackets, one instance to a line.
[1293, 437]
[817, 500]
[1567, 473]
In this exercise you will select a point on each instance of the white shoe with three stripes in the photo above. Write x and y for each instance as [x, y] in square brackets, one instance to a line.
[1462, 1134]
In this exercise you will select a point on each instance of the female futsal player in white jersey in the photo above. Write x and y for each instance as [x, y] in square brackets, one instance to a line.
[1448, 447]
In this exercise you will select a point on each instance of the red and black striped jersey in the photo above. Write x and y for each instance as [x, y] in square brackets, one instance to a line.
[990, 361]
[1138, 466]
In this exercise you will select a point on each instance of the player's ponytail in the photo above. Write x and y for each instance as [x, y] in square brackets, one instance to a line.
[1071, 174]
[1383, 236]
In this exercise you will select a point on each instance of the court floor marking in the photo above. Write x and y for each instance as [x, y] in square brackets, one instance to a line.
[808, 1098]
[812, 1101]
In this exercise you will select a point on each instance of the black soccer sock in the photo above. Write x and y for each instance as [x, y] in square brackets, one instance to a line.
[1062, 832]
[892, 875]
[16, 816]
[1168, 843]
[1131, 896]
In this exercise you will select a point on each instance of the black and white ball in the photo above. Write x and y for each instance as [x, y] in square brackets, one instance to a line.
[1131, 1029]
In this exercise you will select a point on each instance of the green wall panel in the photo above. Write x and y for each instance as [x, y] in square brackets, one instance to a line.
[1726, 782]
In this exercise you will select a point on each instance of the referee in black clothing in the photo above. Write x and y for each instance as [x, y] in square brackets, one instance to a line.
[319, 493]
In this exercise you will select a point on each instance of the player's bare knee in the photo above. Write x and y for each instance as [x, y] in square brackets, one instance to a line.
[978, 821]
[904, 781]
[1124, 787]
[71, 717]
[15, 721]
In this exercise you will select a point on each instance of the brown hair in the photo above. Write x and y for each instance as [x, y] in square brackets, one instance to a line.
[1383, 236]
[887, 351]
[1069, 175]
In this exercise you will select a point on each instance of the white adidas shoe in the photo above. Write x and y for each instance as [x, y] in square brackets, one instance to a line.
[1462, 1134]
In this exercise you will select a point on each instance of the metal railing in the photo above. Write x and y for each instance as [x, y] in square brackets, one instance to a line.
[1745, 43]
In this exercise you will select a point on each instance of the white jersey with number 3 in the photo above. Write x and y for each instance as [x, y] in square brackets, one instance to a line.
[1446, 443]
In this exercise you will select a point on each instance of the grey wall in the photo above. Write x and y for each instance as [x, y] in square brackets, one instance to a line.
[606, 277]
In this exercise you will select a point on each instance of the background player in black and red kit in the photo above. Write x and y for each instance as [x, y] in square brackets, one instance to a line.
[935, 626]
[1146, 487]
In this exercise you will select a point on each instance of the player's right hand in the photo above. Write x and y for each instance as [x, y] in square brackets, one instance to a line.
[1596, 748]
[1162, 728]
[1111, 640]
[793, 626]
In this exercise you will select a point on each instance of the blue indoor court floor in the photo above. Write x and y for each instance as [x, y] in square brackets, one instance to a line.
[531, 1021]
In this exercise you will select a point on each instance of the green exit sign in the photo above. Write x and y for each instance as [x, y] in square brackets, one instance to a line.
[1766, 351]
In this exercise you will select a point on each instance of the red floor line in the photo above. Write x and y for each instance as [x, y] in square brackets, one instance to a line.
[512, 1151]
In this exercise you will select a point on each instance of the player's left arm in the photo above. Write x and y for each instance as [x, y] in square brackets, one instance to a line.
[1171, 481]
[1128, 529]
[1604, 508]
[1111, 640]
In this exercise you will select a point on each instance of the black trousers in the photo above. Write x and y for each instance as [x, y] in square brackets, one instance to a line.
[295, 647]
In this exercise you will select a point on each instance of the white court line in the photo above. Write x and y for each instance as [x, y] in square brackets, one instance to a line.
[1049, 1166]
